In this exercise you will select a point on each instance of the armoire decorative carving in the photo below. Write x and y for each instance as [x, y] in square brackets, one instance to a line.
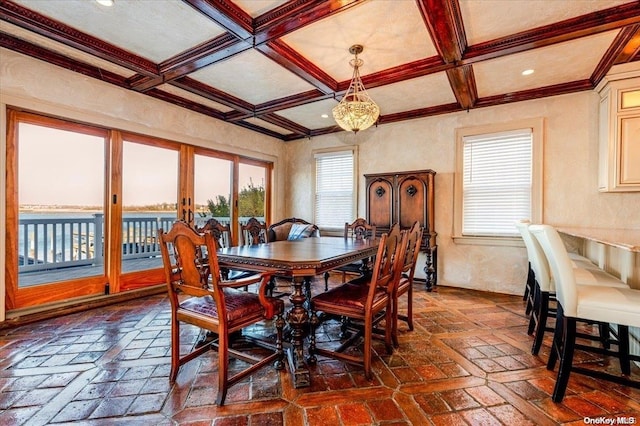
[405, 197]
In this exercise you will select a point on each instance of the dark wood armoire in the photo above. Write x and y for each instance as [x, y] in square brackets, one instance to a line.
[405, 197]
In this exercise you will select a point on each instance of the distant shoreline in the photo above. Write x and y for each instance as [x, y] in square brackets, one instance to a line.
[87, 211]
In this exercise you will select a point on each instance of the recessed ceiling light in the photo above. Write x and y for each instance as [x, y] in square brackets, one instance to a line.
[107, 3]
[325, 116]
[527, 72]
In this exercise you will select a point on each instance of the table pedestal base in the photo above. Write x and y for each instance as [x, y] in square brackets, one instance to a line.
[298, 319]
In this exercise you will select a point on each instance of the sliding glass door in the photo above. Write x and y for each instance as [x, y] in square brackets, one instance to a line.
[149, 201]
[84, 205]
[55, 210]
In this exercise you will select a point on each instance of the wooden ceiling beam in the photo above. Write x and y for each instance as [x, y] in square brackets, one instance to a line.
[407, 71]
[542, 92]
[226, 14]
[444, 22]
[285, 124]
[419, 113]
[294, 15]
[262, 130]
[569, 29]
[26, 48]
[631, 50]
[624, 37]
[463, 83]
[213, 94]
[292, 101]
[185, 103]
[291, 60]
[55, 30]
[207, 53]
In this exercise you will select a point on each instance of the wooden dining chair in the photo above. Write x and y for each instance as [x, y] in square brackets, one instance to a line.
[222, 237]
[199, 297]
[367, 304]
[253, 232]
[359, 229]
[405, 280]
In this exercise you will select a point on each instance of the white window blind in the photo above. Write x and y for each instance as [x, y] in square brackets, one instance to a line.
[497, 182]
[334, 189]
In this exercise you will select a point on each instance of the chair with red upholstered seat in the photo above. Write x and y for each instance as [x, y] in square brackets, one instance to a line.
[199, 297]
[364, 302]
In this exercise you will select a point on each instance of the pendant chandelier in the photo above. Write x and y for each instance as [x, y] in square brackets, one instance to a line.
[356, 111]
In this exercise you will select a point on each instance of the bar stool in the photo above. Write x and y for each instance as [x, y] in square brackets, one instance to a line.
[544, 288]
[591, 303]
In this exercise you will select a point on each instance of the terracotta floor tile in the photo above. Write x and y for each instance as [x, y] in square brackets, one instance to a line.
[321, 416]
[509, 415]
[485, 396]
[451, 419]
[432, 403]
[266, 419]
[466, 362]
[557, 412]
[480, 416]
[231, 421]
[354, 415]
[385, 410]
[76, 410]
[459, 399]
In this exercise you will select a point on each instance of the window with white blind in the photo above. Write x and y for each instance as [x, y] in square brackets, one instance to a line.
[498, 180]
[334, 189]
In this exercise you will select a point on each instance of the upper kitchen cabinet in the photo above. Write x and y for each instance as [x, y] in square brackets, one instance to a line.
[619, 150]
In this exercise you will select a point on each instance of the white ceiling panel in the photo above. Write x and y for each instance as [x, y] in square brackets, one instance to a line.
[70, 52]
[422, 92]
[556, 64]
[253, 77]
[193, 97]
[486, 20]
[267, 125]
[392, 33]
[256, 8]
[155, 33]
[310, 115]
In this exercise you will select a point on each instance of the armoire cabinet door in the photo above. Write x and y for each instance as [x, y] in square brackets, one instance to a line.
[380, 196]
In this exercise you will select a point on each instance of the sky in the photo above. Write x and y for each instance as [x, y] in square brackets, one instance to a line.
[76, 174]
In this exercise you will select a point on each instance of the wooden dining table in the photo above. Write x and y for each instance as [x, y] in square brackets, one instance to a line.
[299, 260]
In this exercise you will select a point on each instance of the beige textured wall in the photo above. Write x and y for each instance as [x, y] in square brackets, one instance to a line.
[571, 196]
[44, 88]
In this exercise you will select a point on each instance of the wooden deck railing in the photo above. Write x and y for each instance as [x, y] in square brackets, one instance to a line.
[55, 243]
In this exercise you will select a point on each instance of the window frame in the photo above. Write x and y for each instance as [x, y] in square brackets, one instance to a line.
[537, 133]
[354, 199]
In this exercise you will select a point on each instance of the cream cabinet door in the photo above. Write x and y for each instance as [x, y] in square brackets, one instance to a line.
[630, 150]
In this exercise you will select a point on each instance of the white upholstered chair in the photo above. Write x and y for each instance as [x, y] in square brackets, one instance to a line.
[593, 303]
[544, 287]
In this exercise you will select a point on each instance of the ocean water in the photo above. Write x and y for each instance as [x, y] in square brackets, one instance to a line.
[53, 237]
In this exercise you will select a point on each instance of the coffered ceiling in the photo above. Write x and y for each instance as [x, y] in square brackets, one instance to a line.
[278, 67]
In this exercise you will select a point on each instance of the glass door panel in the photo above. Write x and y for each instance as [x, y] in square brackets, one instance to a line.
[149, 202]
[61, 181]
[212, 189]
[251, 192]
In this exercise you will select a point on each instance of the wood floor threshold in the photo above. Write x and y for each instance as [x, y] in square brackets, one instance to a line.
[20, 317]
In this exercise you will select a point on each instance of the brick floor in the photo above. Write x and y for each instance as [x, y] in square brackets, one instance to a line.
[468, 361]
